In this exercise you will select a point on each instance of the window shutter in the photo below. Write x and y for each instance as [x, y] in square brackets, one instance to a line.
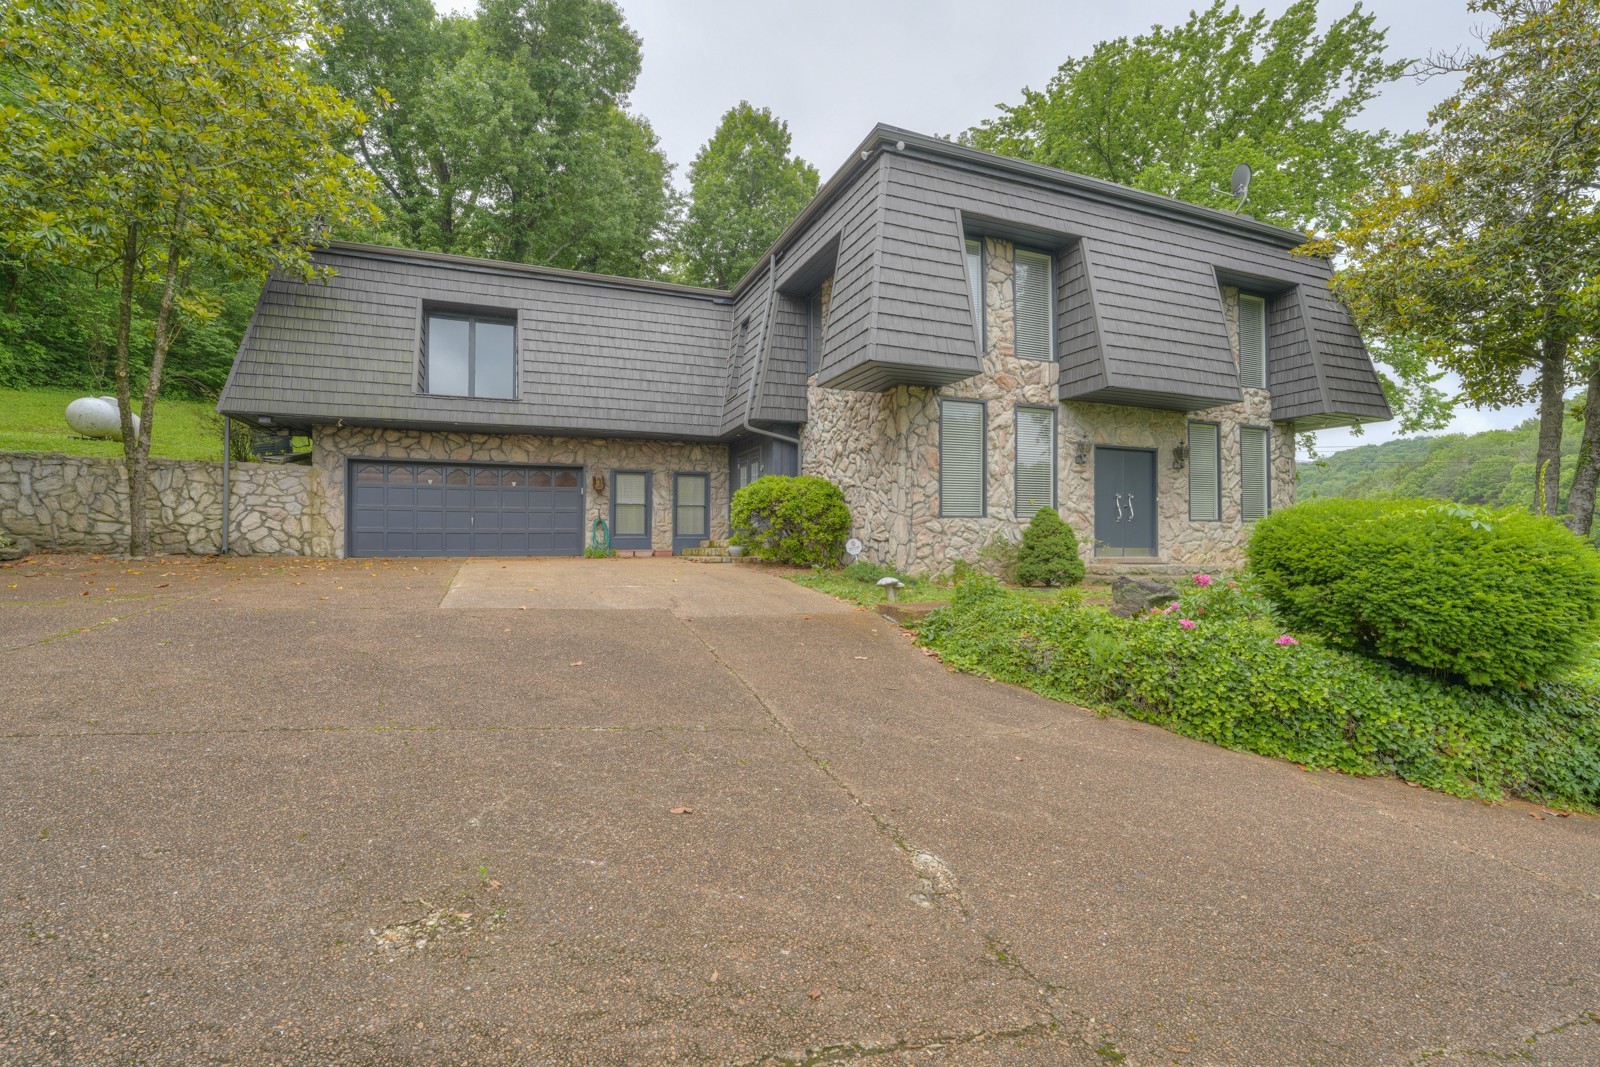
[961, 433]
[1205, 473]
[1252, 342]
[1036, 460]
[1033, 291]
[1253, 472]
[975, 279]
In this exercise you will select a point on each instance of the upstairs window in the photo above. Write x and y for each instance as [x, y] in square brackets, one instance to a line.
[814, 333]
[1252, 341]
[975, 280]
[467, 353]
[1035, 286]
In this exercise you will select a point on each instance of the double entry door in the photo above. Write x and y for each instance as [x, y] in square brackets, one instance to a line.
[1125, 502]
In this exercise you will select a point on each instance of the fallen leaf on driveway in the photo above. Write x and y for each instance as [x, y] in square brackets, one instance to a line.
[1017, 758]
[576, 663]
[713, 976]
[814, 994]
[683, 811]
[861, 657]
[1535, 814]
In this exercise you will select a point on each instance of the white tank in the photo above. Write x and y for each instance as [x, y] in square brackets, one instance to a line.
[97, 416]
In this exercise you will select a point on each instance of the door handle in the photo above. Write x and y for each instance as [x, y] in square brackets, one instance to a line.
[1130, 507]
[1119, 507]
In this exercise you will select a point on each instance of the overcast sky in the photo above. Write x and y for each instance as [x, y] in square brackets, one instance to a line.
[834, 68]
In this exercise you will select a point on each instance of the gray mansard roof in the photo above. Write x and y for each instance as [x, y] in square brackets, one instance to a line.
[1139, 313]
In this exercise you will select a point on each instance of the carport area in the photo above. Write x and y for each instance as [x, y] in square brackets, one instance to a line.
[652, 812]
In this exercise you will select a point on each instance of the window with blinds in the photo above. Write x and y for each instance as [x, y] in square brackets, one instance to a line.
[691, 495]
[630, 509]
[1034, 288]
[961, 456]
[975, 279]
[1252, 342]
[814, 333]
[1253, 466]
[1205, 472]
[1036, 460]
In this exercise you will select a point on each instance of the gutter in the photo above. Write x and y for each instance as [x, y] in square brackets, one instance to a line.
[761, 357]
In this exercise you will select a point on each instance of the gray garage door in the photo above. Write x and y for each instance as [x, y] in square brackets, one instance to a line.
[457, 509]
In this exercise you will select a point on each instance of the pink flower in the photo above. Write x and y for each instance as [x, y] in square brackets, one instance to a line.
[1285, 640]
[1187, 624]
[1202, 580]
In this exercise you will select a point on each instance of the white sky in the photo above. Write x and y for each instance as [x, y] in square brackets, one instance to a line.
[834, 68]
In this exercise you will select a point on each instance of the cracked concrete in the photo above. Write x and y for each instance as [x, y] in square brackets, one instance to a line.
[205, 809]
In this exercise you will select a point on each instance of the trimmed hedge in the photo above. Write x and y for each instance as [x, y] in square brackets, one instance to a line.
[1494, 597]
[1235, 680]
[803, 521]
[1048, 554]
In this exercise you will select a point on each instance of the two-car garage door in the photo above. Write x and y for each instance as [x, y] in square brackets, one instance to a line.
[464, 509]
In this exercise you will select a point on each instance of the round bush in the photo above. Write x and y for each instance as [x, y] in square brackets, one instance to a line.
[803, 521]
[1048, 554]
[1495, 597]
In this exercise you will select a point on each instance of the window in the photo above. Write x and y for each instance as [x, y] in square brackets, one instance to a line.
[814, 333]
[1205, 472]
[975, 280]
[1253, 466]
[1252, 342]
[735, 354]
[1034, 288]
[961, 458]
[1036, 460]
[469, 354]
[630, 509]
[691, 500]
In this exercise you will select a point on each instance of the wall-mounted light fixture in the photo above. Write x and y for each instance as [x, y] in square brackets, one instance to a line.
[1180, 457]
[1080, 455]
[599, 483]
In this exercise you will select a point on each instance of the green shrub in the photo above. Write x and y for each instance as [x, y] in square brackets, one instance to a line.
[869, 573]
[803, 521]
[998, 556]
[1048, 554]
[1240, 683]
[1492, 597]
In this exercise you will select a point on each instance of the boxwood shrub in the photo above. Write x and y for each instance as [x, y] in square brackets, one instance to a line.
[1496, 597]
[803, 520]
[1048, 554]
[1237, 680]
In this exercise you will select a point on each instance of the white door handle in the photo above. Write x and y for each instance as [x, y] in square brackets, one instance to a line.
[1130, 507]
[1119, 507]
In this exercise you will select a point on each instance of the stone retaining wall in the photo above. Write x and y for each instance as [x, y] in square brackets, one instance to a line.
[80, 503]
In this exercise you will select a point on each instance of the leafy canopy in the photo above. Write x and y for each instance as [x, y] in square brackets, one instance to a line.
[1174, 110]
[745, 188]
[506, 134]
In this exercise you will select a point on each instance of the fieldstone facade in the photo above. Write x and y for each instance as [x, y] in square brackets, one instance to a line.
[334, 446]
[883, 450]
[80, 504]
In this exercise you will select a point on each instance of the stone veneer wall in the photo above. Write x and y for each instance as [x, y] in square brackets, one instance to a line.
[333, 446]
[80, 503]
[883, 450]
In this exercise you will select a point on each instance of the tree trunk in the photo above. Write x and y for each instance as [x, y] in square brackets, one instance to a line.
[133, 460]
[139, 543]
[1580, 501]
[1547, 463]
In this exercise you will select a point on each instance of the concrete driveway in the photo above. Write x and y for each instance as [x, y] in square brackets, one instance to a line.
[396, 812]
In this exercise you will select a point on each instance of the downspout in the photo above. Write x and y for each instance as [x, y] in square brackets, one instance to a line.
[227, 477]
[761, 353]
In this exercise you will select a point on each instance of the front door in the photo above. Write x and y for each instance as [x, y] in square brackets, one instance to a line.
[1125, 502]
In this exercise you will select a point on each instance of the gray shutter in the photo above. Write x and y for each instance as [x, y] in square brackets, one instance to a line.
[1205, 472]
[1033, 293]
[975, 279]
[1252, 342]
[1253, 472]
[1036, 460]
[961, 433]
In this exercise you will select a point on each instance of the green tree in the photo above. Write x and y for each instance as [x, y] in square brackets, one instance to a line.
[745, 188]
[1483, 253]
[506, 134]
[1173, 111]
[144, 138]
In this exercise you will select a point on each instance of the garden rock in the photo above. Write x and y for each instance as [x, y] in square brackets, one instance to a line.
[16, 548]
[1133, 596]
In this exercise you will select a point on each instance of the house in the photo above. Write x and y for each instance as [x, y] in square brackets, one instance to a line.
[955, 338]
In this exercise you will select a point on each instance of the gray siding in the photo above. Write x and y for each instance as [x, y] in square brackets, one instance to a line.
[593, 358]
[1348, 377]
[1077, 328]
[782, 392]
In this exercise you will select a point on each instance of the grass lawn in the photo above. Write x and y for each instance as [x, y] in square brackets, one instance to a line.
[840, 584]
[33, 420]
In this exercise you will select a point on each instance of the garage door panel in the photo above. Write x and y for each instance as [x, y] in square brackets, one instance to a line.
[464, 509]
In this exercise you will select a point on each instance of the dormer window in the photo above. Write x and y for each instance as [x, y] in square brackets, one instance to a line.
[1252, 341]
[1034, 281]
[469, 353]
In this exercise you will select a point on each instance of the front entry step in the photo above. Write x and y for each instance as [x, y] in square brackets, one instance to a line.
[1104, 571]
[710, 552]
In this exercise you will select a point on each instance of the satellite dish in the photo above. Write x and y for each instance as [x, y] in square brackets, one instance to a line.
[1241, 182]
